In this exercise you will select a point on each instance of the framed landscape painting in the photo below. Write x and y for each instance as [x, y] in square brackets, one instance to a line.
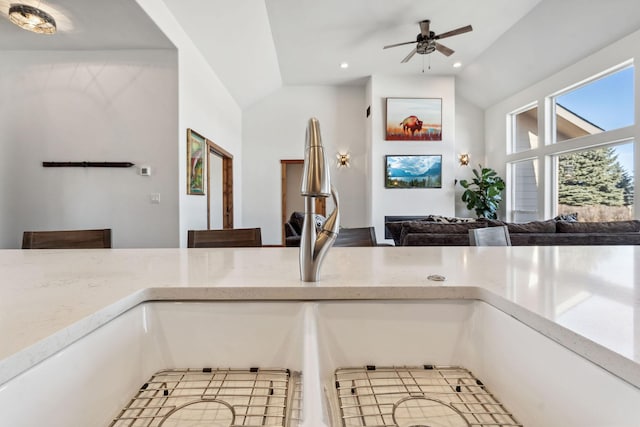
[196, 150]
[413, 171]
[414, 119]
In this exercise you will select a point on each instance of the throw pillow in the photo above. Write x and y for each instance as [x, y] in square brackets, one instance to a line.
[572, 217]
[598, 227]
[297, 219]
[447, 219]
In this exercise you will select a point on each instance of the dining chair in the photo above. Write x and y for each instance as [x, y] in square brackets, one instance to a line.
[359, 236]
[225, 238]
[67, 239]
[490, 236]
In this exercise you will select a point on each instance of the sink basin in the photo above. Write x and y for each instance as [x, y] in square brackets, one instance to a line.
[538, 380]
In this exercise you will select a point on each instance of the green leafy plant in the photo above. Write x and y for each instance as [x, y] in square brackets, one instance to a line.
[484, 193]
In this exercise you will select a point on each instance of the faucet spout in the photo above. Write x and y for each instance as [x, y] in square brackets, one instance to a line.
[316, 182]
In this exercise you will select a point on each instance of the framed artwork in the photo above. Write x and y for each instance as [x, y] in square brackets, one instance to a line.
[413, 171]
[414, 119]
[196, 154]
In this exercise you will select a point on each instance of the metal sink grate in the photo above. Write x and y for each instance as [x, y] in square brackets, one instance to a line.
[417, 396]
[216, 397]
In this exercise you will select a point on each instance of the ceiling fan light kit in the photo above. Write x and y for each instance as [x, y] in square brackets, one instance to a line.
[32, 19]
[427, 41]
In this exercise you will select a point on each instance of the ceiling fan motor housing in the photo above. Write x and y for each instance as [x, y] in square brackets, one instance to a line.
[426, 44]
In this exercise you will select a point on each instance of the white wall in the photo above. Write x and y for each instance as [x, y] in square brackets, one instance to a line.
[111, 106]
[274, 129]
[205, 106]
[89, 106]
[425, 201]
[470, 140]
[495, 116]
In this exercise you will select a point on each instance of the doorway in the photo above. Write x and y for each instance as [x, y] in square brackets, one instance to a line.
[292, 201]
[220, 185]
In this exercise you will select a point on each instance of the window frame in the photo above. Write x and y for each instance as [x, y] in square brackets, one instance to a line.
[554, 159]
[552, 100]
[511, 199]
[548, 149]
[512, 128]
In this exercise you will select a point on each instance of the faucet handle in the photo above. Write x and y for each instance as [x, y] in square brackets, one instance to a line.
[332, 224]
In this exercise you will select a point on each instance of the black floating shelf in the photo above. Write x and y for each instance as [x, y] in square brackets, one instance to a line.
[87, 164]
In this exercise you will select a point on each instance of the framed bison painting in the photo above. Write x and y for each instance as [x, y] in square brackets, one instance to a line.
[414, 119]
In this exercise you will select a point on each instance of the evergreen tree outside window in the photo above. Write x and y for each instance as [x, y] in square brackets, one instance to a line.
[595, 184]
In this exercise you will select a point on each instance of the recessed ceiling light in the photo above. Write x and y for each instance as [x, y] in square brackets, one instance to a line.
[344, 65]
[32, 19]
[457, 64]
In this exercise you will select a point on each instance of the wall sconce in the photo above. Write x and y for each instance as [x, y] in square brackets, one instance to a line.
[463, 159]
[343, 159]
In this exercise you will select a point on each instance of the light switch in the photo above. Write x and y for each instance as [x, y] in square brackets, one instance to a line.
[155, 198]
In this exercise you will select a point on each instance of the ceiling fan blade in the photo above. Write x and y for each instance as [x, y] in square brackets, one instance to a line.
[444, 50]
[455, 32]
[399, 44]
[408, 57]
[424, 27]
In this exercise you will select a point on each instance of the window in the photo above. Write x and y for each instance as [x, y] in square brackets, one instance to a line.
[524, 127]
[524, 190]
[596, 183]
[584, 167]
[597, 106]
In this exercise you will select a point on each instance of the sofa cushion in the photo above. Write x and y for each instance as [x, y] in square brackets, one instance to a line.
[395, 228]
[435, 239]
[424, 227]
[598, 227]
[576, 239]
[289, 230]
[548, 226]
[295, 221]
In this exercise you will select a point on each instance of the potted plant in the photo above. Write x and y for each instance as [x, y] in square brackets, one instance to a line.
[484, 193]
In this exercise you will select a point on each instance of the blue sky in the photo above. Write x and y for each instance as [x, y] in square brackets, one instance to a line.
[414, 165]
[614, 107]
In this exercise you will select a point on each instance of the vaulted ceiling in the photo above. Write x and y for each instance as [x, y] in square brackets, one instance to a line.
[256, 46]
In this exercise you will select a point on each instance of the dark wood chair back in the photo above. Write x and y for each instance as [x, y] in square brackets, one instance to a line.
[227, 238]
[361, 236]
[67, 239]
[490, 236]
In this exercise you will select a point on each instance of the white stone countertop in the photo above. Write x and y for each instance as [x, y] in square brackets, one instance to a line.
[587, 298]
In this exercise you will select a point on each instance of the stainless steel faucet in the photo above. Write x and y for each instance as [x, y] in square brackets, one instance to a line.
[316, 183]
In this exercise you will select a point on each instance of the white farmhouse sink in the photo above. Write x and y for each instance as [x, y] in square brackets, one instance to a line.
[539, 381]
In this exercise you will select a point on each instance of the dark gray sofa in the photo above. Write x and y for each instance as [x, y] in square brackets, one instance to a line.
[535, 233]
